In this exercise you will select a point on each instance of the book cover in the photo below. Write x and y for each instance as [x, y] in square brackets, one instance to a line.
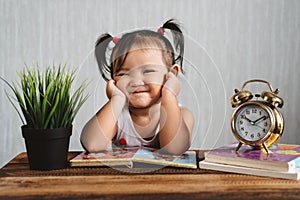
[152, 156]
[283, 157]
[127, 157]
[114, 157]
[250, 171]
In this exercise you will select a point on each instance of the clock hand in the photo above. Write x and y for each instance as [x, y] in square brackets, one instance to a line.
[261, 118]
[248, 120]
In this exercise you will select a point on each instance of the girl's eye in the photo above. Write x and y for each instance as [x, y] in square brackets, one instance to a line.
[148, 71]
[122, 74]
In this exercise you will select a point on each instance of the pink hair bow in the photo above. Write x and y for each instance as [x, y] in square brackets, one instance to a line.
[161, 31]
[116, 39]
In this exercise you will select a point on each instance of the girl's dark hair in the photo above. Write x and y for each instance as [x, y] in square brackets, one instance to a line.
[141, 39]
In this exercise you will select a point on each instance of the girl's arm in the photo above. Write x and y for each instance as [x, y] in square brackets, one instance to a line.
[176, 122]
[101, 129]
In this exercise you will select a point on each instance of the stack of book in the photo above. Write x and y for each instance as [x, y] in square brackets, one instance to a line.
[282, 162]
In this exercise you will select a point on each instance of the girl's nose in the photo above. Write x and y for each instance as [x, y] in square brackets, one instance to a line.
[136, 79]
[135, 82]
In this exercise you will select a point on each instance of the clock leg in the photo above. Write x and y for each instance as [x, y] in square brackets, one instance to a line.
[265, 147]
[239, 146]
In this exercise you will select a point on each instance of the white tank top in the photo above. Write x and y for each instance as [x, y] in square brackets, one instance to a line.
[126, 132]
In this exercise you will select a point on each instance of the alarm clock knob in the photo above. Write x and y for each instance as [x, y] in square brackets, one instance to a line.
[272, 98]
[240, 97]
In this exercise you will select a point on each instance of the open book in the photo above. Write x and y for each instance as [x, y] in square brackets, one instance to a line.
[127, 157]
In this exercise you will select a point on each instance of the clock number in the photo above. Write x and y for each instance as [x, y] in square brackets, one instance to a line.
[254, 110]
[243, 117]
[247, 112]
[252, 136]
[241, 122]
[242, 128]
[258, 135]
[260, 112]
[266, 124]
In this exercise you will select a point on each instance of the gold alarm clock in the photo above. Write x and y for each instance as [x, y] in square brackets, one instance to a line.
[258, 122]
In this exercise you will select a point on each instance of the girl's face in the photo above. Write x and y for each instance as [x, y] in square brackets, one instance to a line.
[141, 77]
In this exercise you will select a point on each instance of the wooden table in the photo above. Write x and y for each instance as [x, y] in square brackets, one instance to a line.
[18, 182]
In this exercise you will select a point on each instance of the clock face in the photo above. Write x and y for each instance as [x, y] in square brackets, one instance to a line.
[252, 123]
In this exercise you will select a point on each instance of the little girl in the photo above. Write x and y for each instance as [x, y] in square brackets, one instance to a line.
[142, 88]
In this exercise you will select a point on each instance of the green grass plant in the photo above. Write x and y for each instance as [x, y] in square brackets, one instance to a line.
[44, 98]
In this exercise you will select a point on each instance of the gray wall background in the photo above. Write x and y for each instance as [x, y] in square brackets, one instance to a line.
[227, 43]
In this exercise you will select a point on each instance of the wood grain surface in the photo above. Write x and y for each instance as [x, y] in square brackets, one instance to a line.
[18, 182]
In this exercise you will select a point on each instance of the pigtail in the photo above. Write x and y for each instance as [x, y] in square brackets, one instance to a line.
[178, 39]
[101, 47]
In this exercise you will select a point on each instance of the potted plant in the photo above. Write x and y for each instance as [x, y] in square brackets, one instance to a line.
[47, 110]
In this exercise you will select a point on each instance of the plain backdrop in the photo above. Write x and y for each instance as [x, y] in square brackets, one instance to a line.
[227, 43]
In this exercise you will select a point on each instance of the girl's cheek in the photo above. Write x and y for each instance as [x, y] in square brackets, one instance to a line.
[122, 84]
[155, 80]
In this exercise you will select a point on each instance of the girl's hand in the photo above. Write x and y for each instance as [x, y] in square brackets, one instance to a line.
[113, 90]
[172, 84]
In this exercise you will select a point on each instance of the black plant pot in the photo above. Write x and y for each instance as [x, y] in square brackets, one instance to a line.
[47, 149]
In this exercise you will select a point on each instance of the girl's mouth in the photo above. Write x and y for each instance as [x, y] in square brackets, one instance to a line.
[138, 91]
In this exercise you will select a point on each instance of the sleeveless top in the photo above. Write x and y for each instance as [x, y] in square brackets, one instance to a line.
[128, 134]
